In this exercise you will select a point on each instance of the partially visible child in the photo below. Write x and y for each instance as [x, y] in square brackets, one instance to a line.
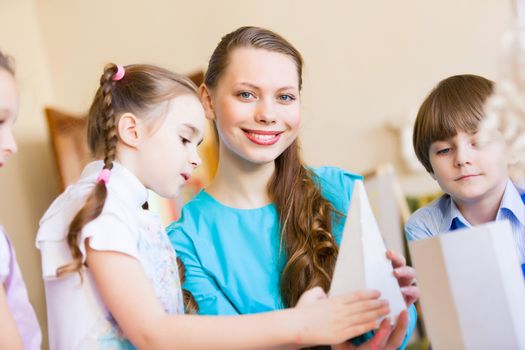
[110, 273]
[473, 176]
[19, 327]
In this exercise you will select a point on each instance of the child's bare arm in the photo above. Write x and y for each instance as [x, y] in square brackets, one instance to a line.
[9, 336]
[130, 298]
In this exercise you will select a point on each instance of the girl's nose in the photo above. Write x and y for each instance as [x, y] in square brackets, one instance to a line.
[9, 146]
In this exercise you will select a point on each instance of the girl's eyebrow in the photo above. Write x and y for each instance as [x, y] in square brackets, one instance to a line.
[191, 127]
[193, 130]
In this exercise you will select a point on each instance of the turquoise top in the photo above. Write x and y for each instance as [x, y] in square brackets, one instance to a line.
[232, 256]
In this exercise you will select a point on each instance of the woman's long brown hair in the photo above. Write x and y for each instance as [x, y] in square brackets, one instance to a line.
[305, 216]
[142, 88]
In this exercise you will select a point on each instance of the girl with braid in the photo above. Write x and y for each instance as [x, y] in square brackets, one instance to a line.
[110, 273]
[267, 228]
[19, 327]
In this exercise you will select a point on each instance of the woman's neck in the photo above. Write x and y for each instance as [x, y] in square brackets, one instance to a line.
[239, 183]
[485, 209]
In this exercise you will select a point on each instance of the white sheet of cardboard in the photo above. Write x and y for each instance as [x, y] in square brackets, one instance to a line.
[382, 197]
[362, 262]
[472, 288]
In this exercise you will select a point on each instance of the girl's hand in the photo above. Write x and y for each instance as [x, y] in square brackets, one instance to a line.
[334, 320]
[406, 277]
[385, 338]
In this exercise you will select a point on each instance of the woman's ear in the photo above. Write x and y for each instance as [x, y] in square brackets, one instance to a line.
[128, 129]
[206, 101]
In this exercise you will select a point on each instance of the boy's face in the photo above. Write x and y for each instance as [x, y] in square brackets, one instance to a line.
[467, 170]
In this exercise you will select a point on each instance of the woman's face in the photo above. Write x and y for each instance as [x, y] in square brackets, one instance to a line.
[8, 113]
[256, 105]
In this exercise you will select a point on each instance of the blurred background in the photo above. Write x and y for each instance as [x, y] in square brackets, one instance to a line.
[369, 64]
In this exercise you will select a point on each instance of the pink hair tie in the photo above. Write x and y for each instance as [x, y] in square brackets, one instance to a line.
[119, 74]
[104, 176]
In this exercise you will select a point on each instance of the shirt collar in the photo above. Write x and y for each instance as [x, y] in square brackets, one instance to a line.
[512, 202]
[452, 214]
[122, 182]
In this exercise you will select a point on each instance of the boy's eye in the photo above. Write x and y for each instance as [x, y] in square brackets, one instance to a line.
[443, 151]
[184, 140]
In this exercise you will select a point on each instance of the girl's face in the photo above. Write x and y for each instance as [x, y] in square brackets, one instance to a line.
[8, 113]
[255, 105]
[168, 157]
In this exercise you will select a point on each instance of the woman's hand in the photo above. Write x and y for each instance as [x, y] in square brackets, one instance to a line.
[336, 319]
[385, 338]
[406, 277]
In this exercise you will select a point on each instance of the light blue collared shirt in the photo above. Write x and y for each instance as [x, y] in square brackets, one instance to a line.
[442, 215]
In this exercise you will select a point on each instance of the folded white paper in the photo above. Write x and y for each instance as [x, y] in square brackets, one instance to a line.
[472, 288]
[362, 262]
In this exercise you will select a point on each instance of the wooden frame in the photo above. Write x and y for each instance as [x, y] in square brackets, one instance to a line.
[69, 144]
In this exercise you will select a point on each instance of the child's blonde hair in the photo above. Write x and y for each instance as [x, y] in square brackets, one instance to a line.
[139, 91]
[455, 104]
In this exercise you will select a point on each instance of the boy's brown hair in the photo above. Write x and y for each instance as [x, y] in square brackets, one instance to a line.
[455, 104]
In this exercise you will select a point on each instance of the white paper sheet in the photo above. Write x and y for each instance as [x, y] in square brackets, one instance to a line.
[472, 288]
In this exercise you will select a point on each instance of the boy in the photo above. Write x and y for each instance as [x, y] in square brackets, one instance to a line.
[473, 176]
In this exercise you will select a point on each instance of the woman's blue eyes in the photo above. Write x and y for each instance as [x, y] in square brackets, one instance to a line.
[245, 94]
[287, 98]
[248, 95]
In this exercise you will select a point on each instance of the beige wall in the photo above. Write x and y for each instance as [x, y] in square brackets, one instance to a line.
[368, 63]
[27, 183]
